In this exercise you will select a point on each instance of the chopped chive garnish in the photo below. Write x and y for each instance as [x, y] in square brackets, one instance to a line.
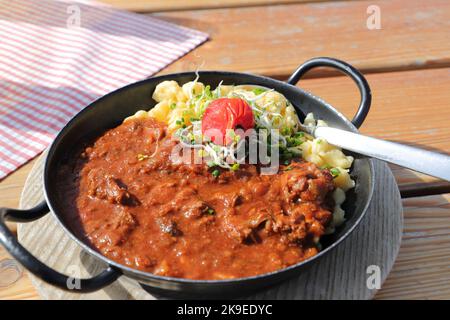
[173, 106]
[235, 167]
[258, 91]
[208, 91]
[335, 172]
[215, 173]
[286, 131]
[180, 122]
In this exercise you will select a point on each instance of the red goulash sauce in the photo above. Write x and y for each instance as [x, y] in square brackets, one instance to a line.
[136, 207]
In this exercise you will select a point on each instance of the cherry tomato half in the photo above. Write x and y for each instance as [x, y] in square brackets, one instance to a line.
[224, 114]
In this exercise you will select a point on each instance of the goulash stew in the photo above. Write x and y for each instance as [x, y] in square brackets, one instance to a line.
[218, 219]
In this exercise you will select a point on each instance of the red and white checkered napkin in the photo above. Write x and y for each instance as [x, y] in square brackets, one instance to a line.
[57, 56]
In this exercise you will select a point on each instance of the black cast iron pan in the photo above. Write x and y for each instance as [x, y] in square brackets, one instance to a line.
[110, 110]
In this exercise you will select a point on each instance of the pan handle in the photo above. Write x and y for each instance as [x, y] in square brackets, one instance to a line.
[357, 77]
[39, 269]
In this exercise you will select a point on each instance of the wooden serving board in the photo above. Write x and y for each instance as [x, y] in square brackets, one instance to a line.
[342, 274]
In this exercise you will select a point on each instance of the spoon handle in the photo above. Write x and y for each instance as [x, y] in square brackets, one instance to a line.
[431, 163]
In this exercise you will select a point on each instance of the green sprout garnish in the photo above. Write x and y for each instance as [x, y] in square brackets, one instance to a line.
[258, 91]
[181, 123]
[335, 172]
[286, 131]
[208, 93]
[215, 173]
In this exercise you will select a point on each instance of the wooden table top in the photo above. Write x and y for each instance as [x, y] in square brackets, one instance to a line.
[407, 63]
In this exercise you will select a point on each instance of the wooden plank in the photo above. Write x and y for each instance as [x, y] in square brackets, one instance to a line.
[274, 40]
[22, 289]
[414, 184]
[175, 5]
[407, 107]
[11, 189]
[12, 185]
[422, 269]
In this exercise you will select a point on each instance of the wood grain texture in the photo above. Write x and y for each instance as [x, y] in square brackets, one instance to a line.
[414, 184]
[11, 188]
[422, 269]
[20, 290]
[176, 5]
[274, 40]
[408, 107]
[339, 275]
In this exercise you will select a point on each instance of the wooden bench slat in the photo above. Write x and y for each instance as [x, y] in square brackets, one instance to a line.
[11, 187]
[421, 270]
[176, 5]
[414, 184]
[408, 107]
[22, 289]
[274, 40]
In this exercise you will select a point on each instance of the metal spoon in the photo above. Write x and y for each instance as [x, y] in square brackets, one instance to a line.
[431, 163]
